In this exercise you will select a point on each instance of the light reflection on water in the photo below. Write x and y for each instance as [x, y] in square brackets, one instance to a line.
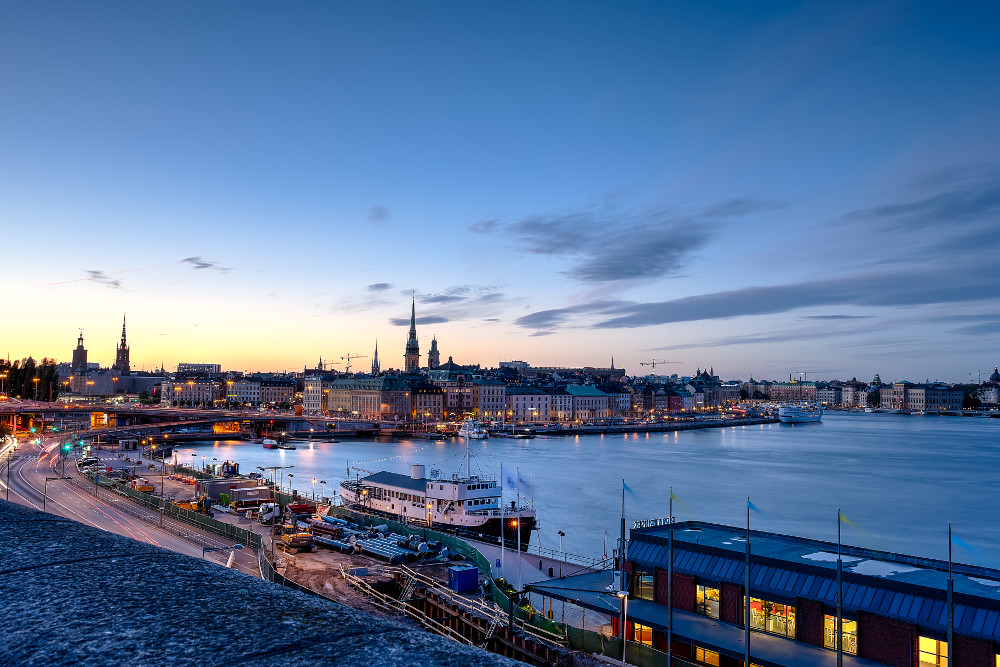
[900, 479]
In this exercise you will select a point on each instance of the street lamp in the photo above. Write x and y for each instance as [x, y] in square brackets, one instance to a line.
[322, 491]
[623, 596]
[35, 380]
[314, 489]
[203, 464]
[290, 475]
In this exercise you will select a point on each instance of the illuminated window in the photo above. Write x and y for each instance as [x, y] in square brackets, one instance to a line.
[644, 585]
[933, 653]
[642, 634]
[772, 617]
[705, 656]
[849, 632]
[707, 602]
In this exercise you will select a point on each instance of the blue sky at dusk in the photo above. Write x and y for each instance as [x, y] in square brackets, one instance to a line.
[765, 188]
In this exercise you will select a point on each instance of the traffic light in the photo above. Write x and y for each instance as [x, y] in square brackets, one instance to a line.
[66, 447]
[33, 429]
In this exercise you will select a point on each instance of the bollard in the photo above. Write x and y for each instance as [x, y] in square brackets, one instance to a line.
[550, 572]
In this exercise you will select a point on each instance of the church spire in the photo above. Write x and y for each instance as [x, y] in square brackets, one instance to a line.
[375, 366]
[121, 354]
[411, 358]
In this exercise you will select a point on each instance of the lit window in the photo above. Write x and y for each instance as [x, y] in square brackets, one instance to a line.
[705, 656]
[644, 585]
[772, 617]
[933, 653]
[707, 601]
[849, 631]
[642, 634]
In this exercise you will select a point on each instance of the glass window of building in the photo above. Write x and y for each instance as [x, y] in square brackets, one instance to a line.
[933, 653]
[642, 634]
[706, 657]
[644, 585]
[849, 630]
[772, 617]
[707, 601]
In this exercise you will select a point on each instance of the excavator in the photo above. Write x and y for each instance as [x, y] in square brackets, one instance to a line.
[293, 539]
[202, 505]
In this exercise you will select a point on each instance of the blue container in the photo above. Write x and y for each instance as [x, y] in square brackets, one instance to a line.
[463, 578]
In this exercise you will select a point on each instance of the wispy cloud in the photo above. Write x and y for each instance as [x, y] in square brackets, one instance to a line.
[429, 319]
[198, 263]
[606, 244]
[837, 317]
[378, 287]
[378, 214]
[102, 278]
[889, 289]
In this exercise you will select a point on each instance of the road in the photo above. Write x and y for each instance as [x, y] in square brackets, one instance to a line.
[39, 478]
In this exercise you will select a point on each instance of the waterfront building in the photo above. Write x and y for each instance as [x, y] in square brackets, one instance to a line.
[361, 396]
[190, 393]
[589, 402]
[79, 356]
[316, 395]
[792, 391]
[562, 405]
[894, 607]
[411, 358]
[527, 405]
[829, 395]
[909, 396]
[122, 364]
[277, 392]
[243, 391]
[426, 403]
[488, 399]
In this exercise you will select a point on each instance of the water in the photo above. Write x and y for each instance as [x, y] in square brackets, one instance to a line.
[899, 479]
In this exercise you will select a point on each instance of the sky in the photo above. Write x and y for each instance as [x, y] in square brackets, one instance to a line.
[767, 189]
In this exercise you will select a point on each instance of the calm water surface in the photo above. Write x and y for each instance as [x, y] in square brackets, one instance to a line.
[898, 478]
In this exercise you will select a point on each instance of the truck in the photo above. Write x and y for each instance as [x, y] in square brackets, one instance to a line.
[249, 497]
[201, 504]
[274, 513]
[269, 513]
[142, 484]
[293, 539]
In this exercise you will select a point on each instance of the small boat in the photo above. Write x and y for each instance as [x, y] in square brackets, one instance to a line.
[268, 443]
[473, 430]
[790, 413]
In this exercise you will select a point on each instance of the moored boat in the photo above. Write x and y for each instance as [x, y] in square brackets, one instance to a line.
[473, 430]
[793, 413]
[470, 505]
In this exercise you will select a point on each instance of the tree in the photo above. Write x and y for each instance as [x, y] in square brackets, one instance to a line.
[874, 398]
[744, 394]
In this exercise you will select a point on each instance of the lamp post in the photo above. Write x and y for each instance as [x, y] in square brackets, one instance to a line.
[35, 380]
[314, 490]
[322, 492]
[290, 490]
[623, 596]
[203, 464]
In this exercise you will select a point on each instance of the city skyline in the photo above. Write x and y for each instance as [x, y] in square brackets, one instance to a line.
[766, 190]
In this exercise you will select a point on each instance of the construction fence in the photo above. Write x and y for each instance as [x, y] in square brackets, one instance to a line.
[238, 535]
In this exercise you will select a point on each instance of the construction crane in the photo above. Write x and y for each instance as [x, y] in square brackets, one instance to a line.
[347, 357]
[657, 362]
[324, 364]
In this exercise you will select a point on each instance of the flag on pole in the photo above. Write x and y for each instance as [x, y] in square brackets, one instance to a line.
[508, 478]
[844, 520]
[524, 484]
[751, 506]
[626, 488]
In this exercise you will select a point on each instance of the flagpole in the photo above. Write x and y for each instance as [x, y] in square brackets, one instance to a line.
[840, 598]
[503, 523]
[621, 545]
[517, 471]
[746, 611]
[951, 605]
[670, 582]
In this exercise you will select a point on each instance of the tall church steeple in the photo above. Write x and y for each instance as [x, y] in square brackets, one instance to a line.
[433, 356]
[375, 366]
[121, 356]
[80, 356]
[412, 356]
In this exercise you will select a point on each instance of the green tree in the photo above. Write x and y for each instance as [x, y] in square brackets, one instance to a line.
[874, 398]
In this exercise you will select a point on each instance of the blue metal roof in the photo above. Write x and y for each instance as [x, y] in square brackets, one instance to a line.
[396, 480]
[784, 568]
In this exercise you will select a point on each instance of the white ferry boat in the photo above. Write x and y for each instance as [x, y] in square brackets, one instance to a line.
[473, 430]
[789, 413]
[469, 505]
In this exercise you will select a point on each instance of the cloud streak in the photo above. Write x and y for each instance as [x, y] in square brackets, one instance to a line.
[899, 289]
[102, 278]
[200, 264]
[607, 245]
